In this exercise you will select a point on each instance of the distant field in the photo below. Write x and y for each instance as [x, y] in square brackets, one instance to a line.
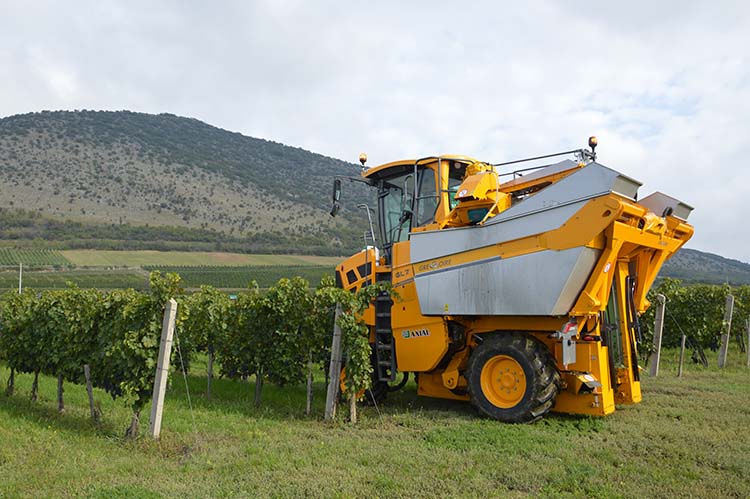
[104, 279]
[11, 256]
[192, 277]
[147, 257]
[222, 270]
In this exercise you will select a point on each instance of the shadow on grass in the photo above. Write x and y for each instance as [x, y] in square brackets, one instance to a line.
[288, 402]
[237, 397]
[18, 406]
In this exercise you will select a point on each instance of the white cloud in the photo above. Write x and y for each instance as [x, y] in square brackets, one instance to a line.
[664, 85]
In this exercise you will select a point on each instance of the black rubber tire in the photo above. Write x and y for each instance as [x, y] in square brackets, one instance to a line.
[400, 384]
[542, 377]
[374, 395]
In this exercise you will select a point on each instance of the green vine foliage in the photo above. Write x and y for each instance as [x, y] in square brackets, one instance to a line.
[130, 332]
[206, 318]
[236, 349]
[275, 333]
[68, 319]
[698, 310]
[356, 335]
[278, 331]
[20, 344]
[117, 333]
[318, 324]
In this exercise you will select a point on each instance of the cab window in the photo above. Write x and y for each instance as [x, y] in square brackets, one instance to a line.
[393, 200]
[456, 172]
[427, 198]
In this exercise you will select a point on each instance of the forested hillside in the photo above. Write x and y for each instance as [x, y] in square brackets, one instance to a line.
[125, 180]
[112, 171]
[693, 266]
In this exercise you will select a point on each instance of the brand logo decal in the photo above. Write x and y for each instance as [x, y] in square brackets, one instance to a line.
[434, 265]
[417, 332]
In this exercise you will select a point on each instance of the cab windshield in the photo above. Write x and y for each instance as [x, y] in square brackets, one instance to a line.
[401, 209]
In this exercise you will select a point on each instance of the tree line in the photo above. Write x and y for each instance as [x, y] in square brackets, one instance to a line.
[29, 227]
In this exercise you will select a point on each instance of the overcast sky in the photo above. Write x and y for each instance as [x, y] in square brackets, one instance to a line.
[665, 85]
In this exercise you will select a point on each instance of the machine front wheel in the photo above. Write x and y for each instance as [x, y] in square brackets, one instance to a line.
[512, 377]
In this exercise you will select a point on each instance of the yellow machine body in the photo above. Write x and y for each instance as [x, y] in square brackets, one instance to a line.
[458, 249]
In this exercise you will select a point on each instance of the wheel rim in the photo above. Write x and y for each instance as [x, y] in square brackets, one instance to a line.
[503, 381]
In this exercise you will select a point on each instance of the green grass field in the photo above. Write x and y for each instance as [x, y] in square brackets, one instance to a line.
[140, 258]
[690, 437]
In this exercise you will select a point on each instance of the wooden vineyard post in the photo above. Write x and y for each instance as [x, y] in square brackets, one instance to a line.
[353, 408]
[258, 385]
[162, 368]
[308, 405]
[60, 390]
[747, 345]
[334, 368]
[658, 328]
[209, 371]
[90, 392]
[682, 356]
[726, 328]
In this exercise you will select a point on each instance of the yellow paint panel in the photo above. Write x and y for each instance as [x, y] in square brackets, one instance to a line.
[431, 385]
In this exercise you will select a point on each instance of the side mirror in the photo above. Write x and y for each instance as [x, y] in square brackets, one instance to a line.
[336, 197]
[405, 215]
[405, 196]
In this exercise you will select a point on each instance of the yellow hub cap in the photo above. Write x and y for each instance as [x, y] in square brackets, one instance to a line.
[342, 384]
[503, 381]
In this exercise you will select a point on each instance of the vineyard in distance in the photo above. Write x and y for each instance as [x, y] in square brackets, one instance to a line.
[49, 269]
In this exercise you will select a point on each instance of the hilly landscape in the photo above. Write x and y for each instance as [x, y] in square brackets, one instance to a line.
[693, 266]
[89, 177]
[124, 180]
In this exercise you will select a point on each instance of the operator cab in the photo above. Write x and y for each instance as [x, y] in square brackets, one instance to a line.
[415, 195]
[445, 192]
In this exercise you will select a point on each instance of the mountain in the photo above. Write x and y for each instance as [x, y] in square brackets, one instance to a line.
[102, 179]
[693, 266]
[103, 169]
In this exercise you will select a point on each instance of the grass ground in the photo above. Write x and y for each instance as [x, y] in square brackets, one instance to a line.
[690, 437]
[147, 257]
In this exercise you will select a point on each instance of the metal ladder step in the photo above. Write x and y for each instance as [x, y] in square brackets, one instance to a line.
[384, 344]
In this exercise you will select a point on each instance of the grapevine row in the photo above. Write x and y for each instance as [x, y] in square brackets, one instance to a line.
[12, 256]
[698, 310]
[276, 336]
